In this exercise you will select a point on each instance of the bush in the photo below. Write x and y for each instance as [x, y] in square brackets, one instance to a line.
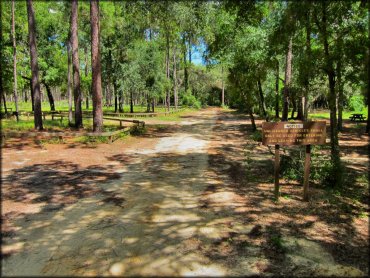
[323, 171]
[191, 101]
[257, 136]
[138, 130]
[356, 103]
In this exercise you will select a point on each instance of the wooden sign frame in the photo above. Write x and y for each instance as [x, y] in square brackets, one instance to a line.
[290, 134]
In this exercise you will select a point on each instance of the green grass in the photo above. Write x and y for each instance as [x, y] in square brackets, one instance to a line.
[63, 106]
[27, 125]
[346, 114]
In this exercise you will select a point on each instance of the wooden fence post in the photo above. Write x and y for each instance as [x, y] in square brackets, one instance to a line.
[307, 163]
[277, 170]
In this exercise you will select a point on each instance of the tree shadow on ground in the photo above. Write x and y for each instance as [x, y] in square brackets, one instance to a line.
[193, 213]
[292, 217]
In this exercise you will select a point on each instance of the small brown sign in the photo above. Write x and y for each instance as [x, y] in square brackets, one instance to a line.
[294, 133]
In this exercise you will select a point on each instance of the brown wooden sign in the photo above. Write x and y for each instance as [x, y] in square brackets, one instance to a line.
[294, 133]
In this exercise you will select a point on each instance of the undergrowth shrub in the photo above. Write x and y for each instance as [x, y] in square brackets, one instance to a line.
[322, 172]
[190, 100]
[356, 103]
[137, 130]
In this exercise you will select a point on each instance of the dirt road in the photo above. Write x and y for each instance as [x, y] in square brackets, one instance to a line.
[177, 202]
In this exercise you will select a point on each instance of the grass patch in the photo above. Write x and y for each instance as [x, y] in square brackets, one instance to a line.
[325, 114]
[177, 116]
[257, 136]
[63, 106]
[28, 125]
[138, 130]
[91, 140]
[53, 140]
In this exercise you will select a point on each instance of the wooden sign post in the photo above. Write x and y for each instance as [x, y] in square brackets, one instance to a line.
[289, 134]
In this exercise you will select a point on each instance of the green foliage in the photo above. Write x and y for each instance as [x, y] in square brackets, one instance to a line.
[138, 130]
[257, 136]
[189, 100]
[356, 103]
[92, 140]
[323, 171]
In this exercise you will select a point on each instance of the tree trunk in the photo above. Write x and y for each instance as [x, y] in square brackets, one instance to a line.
[153, 104]
[32, 97]
[107, 94]
[262, 101]
[288, 77]
[96, 67]
[222, 87]
[3, 100]
[50, 96]
[14, 62]
[300, 108]
[294, 103]
[76, 67]
[340, 95]
[277, 90]
[131, 103]
[69, 82]
[186, 76]
[168, 69]
[34, 66]
[254, 127]
[175, 79]
[368, 70]
[308, 72]
[115, 97]
[86, 74]
[335, 156]
[120, 102]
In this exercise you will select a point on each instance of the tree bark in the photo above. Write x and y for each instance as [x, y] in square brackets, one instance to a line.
[335, 156]
[294, 102]
[288, 77]
[277, 90]
[86, 74]
[308, 72]
[186, 76]
[50, 96]
[262, 100]
[3, 100]
[96, 67]
[69, 82]
[120, 98]
[34, 66]
[222, 87]
[168, 70]
[76, 66]
[31, 91]
[368, 70]
[115, 96]
[175, 79]
[340, 94]
[131, 103]
[14, 62]
[254, 127]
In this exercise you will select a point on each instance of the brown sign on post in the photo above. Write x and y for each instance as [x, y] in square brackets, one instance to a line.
[293, 133]
[298, 133]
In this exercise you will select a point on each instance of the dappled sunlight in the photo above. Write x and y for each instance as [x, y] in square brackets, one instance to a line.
[170, 210]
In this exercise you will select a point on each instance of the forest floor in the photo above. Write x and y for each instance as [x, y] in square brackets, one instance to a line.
[193, 197]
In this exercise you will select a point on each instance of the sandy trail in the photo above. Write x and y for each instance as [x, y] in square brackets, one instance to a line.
[155, 231]
[165, 206]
